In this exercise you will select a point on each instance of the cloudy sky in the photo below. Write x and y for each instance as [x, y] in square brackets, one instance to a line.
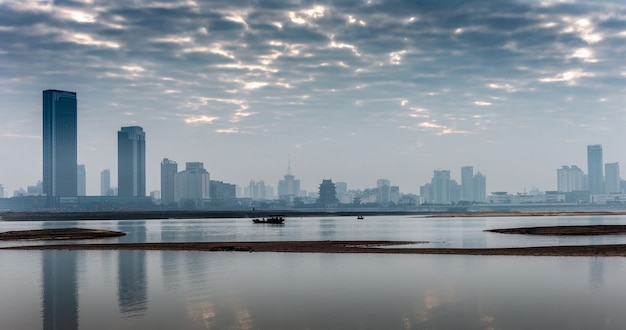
[352, 90]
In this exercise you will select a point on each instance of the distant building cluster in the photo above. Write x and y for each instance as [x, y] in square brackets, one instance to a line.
[444, 190]
[601, 185]
[64, 183]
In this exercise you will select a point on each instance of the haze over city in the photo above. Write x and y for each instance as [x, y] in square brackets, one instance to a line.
[353, 91]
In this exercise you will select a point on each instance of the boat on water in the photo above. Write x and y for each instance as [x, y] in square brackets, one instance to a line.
[360, 217]
[275, 220]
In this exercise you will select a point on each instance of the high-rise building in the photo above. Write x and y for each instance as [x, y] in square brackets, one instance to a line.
[1, 191]
[570, 178]
[105, 183]
[440, 187]
[595, 176]
[289, 188]
[467, 183]
[384, 191]
[611, 179]
[169, 168]
[81, 180]
[131, 161]
[59, 143]
[192, 185]
[479, 192]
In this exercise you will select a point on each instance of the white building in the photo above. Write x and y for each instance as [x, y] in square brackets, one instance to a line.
[192, 184]
[570, 178]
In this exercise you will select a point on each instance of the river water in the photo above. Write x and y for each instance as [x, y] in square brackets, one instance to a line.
[233, 290]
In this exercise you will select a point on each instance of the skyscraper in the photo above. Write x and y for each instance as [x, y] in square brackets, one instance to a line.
[81, 180]
[59, 143]
[595, 176]
[611, 180]
[467, 183]
[131, 161]
[440, 187]
[479, 192]
[169, 168]
[105, 183]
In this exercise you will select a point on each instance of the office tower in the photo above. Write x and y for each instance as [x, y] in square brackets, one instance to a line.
[131, 161]
[169, 168]
[59, 143]
[192, 184]
[467, 183]
[81, 180]
[611, 180]
[257, 190]
[105, 183]
[479, 192]
[1, 191]
[440, 187]
[570, 178]
[595, 176]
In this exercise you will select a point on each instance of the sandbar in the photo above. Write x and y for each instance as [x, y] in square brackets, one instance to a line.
[58, 234]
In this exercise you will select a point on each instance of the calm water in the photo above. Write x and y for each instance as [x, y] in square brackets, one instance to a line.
[225, 290]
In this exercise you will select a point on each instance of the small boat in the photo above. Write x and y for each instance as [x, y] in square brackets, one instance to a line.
[360, 217]
[275, 220]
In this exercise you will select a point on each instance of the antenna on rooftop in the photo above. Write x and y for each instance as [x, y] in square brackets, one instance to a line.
[288, 163]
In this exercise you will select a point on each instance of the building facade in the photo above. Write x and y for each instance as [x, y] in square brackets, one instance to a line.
[192, 185]
[595, 177]
[81, 180]
[479, 187]
[570, 178]
[105, 183]
[131, 162]
[611, 178]
[440, 187]
[467, 183]
[59, 143]
[289, 188]
[169, 168]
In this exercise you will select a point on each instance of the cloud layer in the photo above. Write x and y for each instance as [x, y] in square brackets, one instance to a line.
[399, 79]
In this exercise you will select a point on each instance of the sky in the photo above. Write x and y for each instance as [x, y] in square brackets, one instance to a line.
[352, 91]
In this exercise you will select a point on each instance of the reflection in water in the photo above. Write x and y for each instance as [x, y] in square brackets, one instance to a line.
[132, 286]
[60, 297]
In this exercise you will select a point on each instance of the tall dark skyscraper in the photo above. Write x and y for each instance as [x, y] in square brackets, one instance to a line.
[595, 174]
[169, 168]
[59, 143]
[131, 161]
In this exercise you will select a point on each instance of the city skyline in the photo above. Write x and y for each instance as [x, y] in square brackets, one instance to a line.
[353, 91]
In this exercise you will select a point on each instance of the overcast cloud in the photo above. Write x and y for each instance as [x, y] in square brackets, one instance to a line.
[354, 91]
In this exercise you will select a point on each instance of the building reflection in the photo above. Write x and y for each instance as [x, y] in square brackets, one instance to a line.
[59, 292]
[132, 286]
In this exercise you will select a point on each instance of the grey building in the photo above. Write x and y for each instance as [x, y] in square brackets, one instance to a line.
[131, 162]
[467, 184]
[169, 168]
[81, 180]
[59, 143]
[440, 187]
[611, 180]
[105, 183]
[595, 176]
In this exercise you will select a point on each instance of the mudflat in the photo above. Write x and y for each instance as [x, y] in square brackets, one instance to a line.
[58, 234]
[355, 247]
